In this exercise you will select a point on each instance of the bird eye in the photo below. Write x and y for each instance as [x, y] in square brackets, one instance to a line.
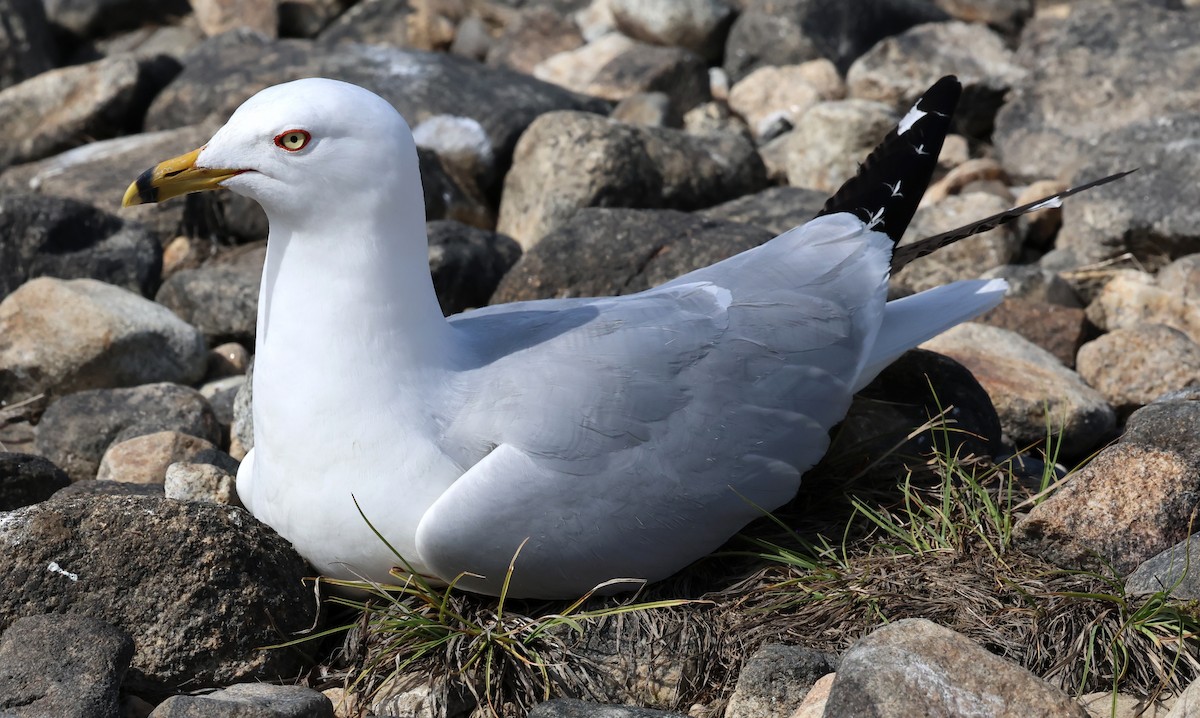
[292, 140]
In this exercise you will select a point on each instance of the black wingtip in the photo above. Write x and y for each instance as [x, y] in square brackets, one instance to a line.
[890, 183]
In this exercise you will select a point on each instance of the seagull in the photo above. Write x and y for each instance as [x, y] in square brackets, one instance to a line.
[599, 441]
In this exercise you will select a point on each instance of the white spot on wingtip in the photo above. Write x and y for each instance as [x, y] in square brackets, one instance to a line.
[914, 115]
[1050, 203]
[55, 568]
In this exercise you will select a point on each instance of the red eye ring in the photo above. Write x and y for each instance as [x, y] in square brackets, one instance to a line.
[292, 140]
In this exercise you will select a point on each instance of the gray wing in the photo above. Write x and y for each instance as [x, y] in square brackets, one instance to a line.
[639, 432]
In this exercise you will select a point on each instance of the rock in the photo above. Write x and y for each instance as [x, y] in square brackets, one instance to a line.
[1041, 227]
[421, 695]
[1035, 284]
[575, 708]
[26, 47]
[124, 560]
[63, 108]
[260, 700]
[241, 431]
[1035, 395]
[832, 139]
[964, 260]
[615, 67]
[59, 336]
[967, 175]
[1103, 704]
[221, 394]
[77, 429]
[218, 16]
[451, 190]
[771, 95]
[1152, 215]
[92, 487]
[1134, 366]
[219, 298]
[915, 667]
[59, 237]
[787, 32]
[1170, 571]
[715, 118]
[227, 360]
[1181, 277]
[26, 479]
[652, 109]
[467, 264]
[696, 25]
[69, 665]
[372, 22]
[1103, 54]
[96, 173]
[187, 481]
[96, 18]
[603, 252]
[1057, 329]
[307, 18]
[214, 82]
[1006, 16]
[898, 69]
[775, 209]
[813, 705]
[536, 34]
[1131, 300]
[175, 40]
[775, 679]
[1131, 502]
[569, 160]
[144, 459]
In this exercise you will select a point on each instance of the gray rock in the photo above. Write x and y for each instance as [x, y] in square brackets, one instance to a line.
[603, 252]
[214, 82]
[1036, 284]
[221, 394]
[217, 16]
[64, 108]
[1134, 500]
[59, 336]
[241, 431]
[144, 459]
[615, 67]
[1152, 214]
[570, 160]
[62, 666]
[190, 481]
[1006, 16]
[1032, 391]
[964, 260]
[175, 575]
[174, 40]
[59, 237]
[219, 298]
[259, 700]
[1181, 277]
[696, 25]
[97, 173]
[652, 109]
[1132, 367]
[307, 18]
[787, 32]
[575, 708]
[898, 69]
[832, 139]
[1131, 299]
[26, 479]
[26, 47]
[77, 429]
[95, 18]
[536, 34]
[92, 487]
[1175, 571]
[914, 667]
[775, 209]
[371, 22]
[467, 263]
[1103, 52]
[775, 680]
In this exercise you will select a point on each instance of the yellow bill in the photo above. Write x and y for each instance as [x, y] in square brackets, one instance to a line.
[175, 177]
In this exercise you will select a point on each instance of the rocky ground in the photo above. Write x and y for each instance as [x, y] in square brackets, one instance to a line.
[573, 148]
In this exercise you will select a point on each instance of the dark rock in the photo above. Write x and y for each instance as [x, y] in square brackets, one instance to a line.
[899, 69]
[221, 297]
[176, 575]
[1133, 501]
[1134, 366]
[66, 107]
[575, 708]
[787, 32]
[914, 667]
[604, 252]
[1057, 329]
[652, 109]
[241, 431]
[26, 48]
[92, 487]
[776, 678]
[59, 237]
[775, 209]
[257, 700]
[371, 22]
[535, 35]
[95, 18]
[456, 162]
[1175, 571]
[307, 18]
[1152, 214]
[214, 82]
[1103, 54]
[77, 429]
[99, 172]
[26, 479]
[467, 264]
[174, 40]
[61, 666]
[569, 160]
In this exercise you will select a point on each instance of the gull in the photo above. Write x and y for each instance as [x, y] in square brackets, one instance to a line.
[606, 438]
